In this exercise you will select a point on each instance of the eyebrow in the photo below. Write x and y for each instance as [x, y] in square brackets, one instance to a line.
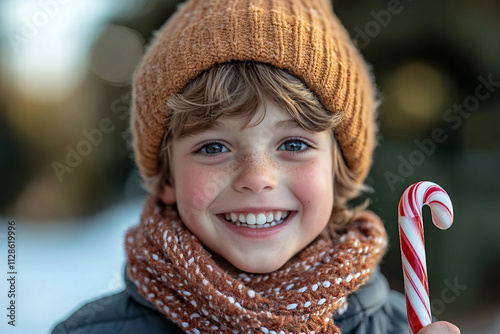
[213, 126]
[287, 124]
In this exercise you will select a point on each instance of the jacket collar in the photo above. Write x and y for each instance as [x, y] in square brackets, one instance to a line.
[365, 302]
[133, 292]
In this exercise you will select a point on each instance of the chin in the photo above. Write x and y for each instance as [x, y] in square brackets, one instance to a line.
[259, 266]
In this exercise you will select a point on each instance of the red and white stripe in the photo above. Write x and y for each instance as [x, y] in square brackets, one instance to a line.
[411, 236]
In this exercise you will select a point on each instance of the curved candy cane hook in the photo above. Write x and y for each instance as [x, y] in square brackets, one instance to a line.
[411, 237]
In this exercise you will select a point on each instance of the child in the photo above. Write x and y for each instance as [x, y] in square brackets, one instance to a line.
[254, 125]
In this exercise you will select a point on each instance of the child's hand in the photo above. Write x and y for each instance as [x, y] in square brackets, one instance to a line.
[440, 327]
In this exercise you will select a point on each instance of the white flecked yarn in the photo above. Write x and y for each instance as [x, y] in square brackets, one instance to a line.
[173, 270]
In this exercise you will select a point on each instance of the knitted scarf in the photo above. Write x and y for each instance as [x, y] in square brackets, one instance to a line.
[173, 270]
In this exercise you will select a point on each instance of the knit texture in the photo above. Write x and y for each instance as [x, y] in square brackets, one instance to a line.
[172, 269]
[303, 37]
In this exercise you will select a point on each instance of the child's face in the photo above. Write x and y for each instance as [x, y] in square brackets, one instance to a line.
[273, 169]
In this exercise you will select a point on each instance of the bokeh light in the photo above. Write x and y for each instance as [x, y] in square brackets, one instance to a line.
[116, 53]
[414, 100]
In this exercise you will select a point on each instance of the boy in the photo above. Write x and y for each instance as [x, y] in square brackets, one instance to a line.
[253, 127]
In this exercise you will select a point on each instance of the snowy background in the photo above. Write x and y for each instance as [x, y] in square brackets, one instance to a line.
[62, 265]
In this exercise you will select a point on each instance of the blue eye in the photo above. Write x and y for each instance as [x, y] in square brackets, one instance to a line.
[293, 145]
[213, 148]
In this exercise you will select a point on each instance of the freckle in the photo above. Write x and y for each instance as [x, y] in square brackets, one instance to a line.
[228, 168]
[254, 162]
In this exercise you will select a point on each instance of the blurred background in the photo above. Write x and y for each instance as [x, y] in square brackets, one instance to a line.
[69, 181]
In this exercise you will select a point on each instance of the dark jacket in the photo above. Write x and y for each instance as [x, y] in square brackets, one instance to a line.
[373, 309]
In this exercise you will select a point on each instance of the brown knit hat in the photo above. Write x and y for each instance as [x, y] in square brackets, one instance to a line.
[303, 37]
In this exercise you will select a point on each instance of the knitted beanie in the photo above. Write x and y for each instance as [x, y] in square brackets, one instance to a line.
[303, 37]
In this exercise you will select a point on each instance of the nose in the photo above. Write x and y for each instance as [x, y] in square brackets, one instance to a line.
[256, 173]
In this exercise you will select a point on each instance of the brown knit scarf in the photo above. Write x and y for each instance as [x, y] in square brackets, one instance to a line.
[172, 269]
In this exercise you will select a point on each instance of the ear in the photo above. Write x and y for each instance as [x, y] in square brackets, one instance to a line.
[167, 194]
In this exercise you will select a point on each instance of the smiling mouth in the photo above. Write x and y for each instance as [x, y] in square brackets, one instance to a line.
[258, 220]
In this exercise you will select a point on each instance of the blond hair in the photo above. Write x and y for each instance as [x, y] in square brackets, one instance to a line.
[240, 88]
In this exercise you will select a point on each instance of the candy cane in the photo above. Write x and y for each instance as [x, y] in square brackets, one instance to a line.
[411, 236]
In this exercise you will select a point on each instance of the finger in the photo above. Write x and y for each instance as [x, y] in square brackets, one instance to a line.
[440, 327]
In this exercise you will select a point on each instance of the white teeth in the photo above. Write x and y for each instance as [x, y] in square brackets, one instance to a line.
[251, 219]
[257, 220]
[261, 219]
[278, 216]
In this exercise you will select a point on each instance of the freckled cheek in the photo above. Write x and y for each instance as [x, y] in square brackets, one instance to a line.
[198, 187]
[313, 185]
